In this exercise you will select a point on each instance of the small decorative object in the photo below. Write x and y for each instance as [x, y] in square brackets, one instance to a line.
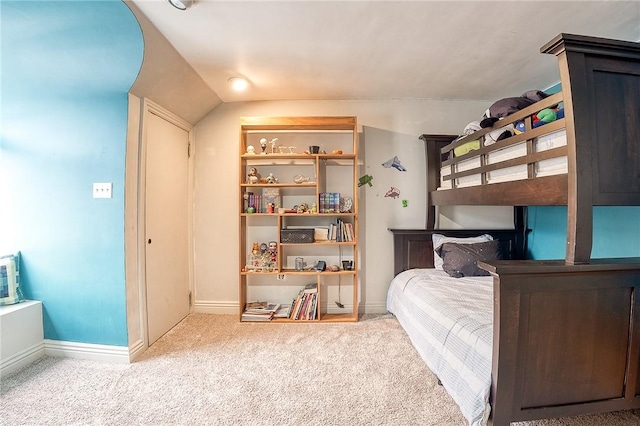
[300, 179]
[405, 203]
[365, 180]
[272, 142]
[282, 149]
[346, 205]
[253, 176]
[393, 192]
[337, 152]
[395, 163]
[251, 150]
[347, 265]
[273, 251]
[271, 178]
[314, 149]
[251, 209]
[314, 208]
[334, 268]
[292, 149]
[299, 263]
[271, 207]
[263, 145]
[263, 257]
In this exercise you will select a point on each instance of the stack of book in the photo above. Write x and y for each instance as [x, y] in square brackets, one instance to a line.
[305, 305]
[329, 202]
[341, 231]
[260, 311]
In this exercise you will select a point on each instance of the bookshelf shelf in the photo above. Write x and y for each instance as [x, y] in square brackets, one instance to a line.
[299, 207]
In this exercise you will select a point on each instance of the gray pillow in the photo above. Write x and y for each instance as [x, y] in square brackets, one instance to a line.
[460, 260]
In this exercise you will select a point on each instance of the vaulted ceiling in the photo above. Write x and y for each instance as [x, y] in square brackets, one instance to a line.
[315, 50]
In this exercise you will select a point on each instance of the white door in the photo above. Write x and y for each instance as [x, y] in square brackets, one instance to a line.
[166, 224]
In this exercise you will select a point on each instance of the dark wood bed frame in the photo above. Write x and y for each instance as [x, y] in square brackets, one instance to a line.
[566, 332]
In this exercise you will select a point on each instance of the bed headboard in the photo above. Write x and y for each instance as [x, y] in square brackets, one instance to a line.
[413, 248]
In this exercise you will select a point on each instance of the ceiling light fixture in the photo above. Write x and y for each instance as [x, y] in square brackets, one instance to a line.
[238, 83]
[182, 4]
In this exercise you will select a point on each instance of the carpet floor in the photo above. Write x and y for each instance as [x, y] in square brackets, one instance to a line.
[213, 370]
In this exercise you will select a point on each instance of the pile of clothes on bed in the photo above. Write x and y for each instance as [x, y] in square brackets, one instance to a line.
[502, 108]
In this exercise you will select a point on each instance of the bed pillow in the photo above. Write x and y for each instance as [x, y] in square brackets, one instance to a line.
[460, 260]
[10, 292]
[439, 239]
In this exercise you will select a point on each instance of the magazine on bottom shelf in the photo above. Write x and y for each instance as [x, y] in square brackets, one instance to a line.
[246, 316]
[283, 312]
[260, 311]
[261, 307]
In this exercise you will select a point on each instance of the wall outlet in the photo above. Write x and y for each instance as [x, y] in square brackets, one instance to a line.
[281, 277]
[102, 189]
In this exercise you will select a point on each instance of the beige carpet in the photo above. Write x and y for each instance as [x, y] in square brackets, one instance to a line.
[212, 370]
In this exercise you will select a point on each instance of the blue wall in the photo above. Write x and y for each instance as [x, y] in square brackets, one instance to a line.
[67, 67]
[616, 230]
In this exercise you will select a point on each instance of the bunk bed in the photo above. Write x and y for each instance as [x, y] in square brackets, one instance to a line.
[566, 333]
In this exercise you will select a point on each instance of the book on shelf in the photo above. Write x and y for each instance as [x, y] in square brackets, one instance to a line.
[283, 311]
[259, 311]
[311, 288]
[250, 199]
[247, 316]
[329, 202]
[271, 195]
[304, 306]
[261, 307]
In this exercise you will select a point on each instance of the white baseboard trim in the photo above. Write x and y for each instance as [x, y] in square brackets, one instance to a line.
[374, 308]
[22, 359]
[136, 350]
[90, 351]
[213, 307]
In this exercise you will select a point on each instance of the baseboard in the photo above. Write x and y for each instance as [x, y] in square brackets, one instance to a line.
[212, 307]
[136, 350]
[374, 308]
[22, 359]
[90, 351]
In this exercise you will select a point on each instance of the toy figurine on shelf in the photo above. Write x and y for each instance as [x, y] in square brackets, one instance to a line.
[253, 176]
[272, 142]
[251, 150]
[271, 178]
[300, 179]
[263, 145]
[273, 251]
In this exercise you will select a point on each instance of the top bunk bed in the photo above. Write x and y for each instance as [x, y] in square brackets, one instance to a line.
[588, 156]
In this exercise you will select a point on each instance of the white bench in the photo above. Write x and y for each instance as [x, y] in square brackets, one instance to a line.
[21, 335]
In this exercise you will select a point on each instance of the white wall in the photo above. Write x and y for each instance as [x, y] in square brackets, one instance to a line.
[387, 128]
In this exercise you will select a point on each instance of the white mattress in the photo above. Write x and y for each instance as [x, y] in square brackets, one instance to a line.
[450, 323]
[552, 166]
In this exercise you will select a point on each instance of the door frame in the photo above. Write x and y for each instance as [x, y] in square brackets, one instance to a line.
[149, 107]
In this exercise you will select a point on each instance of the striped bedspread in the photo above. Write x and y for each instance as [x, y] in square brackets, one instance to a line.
[449, 321]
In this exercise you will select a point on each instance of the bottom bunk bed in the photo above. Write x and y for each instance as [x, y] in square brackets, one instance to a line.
[533, 340]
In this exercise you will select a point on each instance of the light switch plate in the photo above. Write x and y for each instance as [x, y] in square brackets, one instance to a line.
[102, 189]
